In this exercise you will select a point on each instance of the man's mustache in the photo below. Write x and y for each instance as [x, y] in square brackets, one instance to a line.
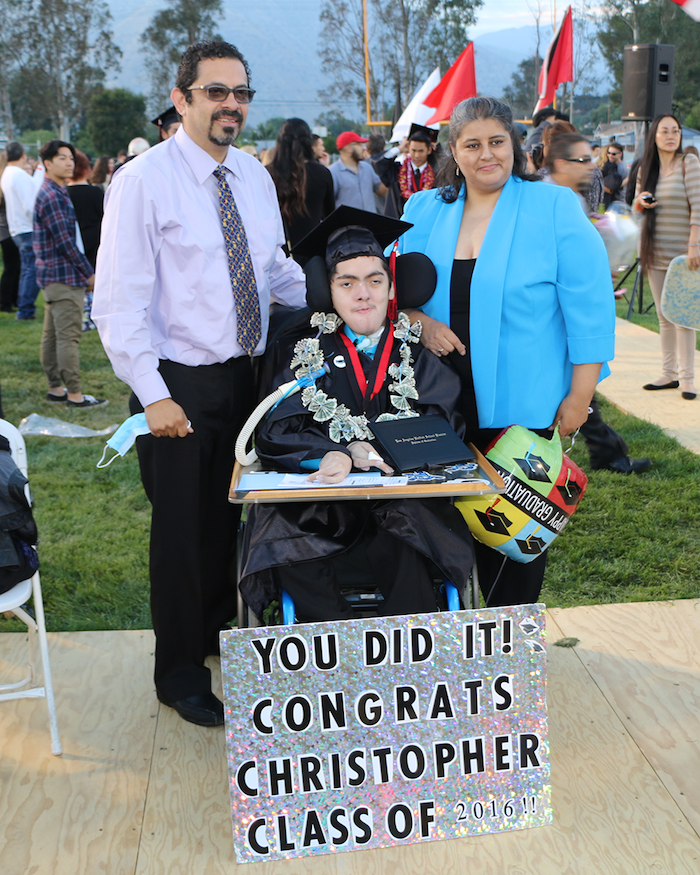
[232, 114]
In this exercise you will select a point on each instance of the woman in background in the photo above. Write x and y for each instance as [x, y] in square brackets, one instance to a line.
[88, 201]
[668, 193]
[304, 186]
[101, 174]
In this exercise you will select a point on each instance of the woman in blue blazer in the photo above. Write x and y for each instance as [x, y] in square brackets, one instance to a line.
[523, 309]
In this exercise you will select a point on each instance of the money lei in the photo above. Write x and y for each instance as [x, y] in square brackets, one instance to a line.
[342, 425]
[404, 387]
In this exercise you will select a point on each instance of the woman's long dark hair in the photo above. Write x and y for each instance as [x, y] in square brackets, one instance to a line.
[648, 176]
[448, 180]
[288, 167]
[100, 171]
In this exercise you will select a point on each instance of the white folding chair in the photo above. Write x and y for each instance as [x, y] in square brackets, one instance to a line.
[13, 601]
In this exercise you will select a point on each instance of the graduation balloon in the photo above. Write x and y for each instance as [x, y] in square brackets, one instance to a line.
[543, 489]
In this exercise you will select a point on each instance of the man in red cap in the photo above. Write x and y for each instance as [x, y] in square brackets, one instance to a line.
[354, 180]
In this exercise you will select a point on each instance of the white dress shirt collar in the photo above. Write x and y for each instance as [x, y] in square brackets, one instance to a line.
[201, 163]
[418, 169]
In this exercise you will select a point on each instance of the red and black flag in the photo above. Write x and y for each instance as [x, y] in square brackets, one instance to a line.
[558, 65]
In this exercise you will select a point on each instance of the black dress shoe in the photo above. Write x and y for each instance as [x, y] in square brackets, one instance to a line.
[625, 465]
[652, 387]
[689, 395]
[204, 710]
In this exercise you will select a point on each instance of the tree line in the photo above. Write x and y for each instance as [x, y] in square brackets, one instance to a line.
[55, 56]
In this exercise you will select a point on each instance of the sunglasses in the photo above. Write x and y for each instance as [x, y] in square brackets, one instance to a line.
[219, 93]
[586, 160]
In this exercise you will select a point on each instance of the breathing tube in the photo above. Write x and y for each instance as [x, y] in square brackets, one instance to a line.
[267, 405]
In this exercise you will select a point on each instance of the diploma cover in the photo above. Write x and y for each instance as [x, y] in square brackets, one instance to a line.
[420, 442]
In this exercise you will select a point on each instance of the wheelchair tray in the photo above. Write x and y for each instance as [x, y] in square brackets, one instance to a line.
[451, 489]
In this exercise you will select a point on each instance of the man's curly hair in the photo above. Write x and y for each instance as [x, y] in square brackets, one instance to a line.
[204, 51]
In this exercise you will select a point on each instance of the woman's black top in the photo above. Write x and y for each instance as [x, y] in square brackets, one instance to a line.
[460, 298]
[88, 202]
[320, 202]
[460, 294]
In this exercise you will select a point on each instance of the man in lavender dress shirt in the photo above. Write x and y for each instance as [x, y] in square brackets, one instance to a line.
[166, 313]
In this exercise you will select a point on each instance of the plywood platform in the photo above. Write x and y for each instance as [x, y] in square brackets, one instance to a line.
[139, 791]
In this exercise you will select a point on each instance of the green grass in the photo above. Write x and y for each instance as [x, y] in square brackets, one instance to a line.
[647, 318]
[633, 538]
[93, 524]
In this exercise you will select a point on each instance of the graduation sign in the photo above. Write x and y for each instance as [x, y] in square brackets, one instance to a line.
[385, 731]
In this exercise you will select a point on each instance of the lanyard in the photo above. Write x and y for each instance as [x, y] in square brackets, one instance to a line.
[382, 366]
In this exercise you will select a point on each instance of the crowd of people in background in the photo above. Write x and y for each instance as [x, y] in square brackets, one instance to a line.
[367, 173]
[21, 177]
[70, 231]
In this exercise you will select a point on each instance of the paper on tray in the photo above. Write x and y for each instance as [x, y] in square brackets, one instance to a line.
[299, 481]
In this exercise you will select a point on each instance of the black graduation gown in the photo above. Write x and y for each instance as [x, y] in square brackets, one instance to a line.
[387, 169]
[288, 534]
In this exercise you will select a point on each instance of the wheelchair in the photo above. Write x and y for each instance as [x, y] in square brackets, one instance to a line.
[364, 601]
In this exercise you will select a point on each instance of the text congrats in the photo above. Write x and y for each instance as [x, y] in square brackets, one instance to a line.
[385, 731]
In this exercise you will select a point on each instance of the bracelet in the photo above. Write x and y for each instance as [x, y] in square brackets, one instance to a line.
[693, 244]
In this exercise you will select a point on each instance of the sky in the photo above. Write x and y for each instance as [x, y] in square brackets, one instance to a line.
[499, 14]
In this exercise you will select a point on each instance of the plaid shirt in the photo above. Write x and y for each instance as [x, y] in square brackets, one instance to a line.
[58, 259]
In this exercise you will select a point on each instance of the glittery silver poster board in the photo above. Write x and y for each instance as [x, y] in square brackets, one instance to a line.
[385, 731]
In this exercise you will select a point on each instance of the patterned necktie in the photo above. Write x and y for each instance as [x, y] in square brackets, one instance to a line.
[240, 267]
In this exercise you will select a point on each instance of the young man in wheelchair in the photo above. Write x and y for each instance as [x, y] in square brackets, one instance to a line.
[360, 367]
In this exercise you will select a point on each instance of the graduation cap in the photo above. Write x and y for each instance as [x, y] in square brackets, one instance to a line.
[431, 133]
[534, 468]
[166, 118]
[531, 546]
[494, 521]
[570, 492]
[350, 233]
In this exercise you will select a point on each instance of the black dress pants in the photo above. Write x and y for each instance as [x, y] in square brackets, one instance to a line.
[604, 444]
[193, 525]
[9, 282]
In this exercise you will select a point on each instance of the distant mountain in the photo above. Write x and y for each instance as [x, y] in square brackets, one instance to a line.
[278, 38]
[280, 41]
[498, 54]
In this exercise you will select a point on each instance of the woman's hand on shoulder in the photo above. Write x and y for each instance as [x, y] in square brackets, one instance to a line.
[438, 337]
[334, 468]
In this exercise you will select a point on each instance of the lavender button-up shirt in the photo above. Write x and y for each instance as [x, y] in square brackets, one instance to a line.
[162, 287]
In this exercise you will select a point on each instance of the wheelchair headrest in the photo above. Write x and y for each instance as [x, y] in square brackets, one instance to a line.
[416, 279]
